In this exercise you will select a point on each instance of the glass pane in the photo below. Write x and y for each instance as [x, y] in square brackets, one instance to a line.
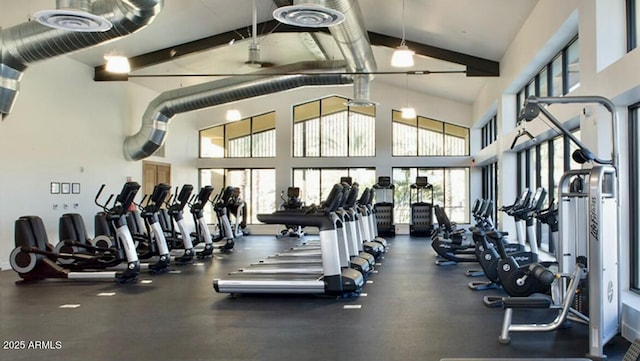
[543, 168]
[329, 128]
[531, 182]
[362, 135]
[636, 29]
[531, 88]
[436, 179]
[214, 178]
[334, 141]
[238, 138]
[328, 178]
[240, 178]
[365, 177]
[263, 135]
[494, 128]
[521, 97]
[573, 62]
[405, 136]
[306, 135]
[543, 81]
[430, 124]
[402, 180]
[306, 111]
[212, 142]
[333, 136]
[298, 144]
[405, 140]
[263, 122]
[430, 143]
[333, 105]
[543, 171]
[430, 137]
[308, 180]
[555, 88]
[456, 196]
[456, 140]
[263, 187]
[522, 156]
[558, 164]
[264, 144]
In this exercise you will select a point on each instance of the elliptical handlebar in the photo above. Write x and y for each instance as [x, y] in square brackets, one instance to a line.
[122, 202]
[105, 206]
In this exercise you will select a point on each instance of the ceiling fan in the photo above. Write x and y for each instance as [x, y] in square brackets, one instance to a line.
[254, 47]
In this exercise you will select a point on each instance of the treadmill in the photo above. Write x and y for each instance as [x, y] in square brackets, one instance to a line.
[333, 281]
[293, 262]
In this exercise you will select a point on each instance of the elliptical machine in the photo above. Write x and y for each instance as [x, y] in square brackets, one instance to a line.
[149, 212]
[182, 238]
[203, 234]
[34, 259]
[238, 208]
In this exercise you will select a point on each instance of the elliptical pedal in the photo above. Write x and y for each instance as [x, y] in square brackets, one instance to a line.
[130, 275]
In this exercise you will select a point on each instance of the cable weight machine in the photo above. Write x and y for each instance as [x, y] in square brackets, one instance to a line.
[588, 246]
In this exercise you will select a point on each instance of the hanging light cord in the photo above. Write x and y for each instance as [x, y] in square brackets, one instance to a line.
[406, 90]
[402, 42]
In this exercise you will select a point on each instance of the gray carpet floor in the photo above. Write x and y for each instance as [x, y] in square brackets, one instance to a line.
[410, 309]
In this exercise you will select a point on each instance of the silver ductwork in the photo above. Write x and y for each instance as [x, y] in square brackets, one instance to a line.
[30, 42]
[350, 35]
[156, 118]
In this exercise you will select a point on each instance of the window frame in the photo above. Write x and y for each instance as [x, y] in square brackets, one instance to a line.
[421, 171]
[489, 132]
[490, 187]
[548, 71]
[226, 139]
[632, 24]
[529, 162]
[634, 195]
[349, 141]
[250, 202]
[348, 172]
[442, 134]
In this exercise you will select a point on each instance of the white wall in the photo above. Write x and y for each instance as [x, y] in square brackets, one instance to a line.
[67, 128]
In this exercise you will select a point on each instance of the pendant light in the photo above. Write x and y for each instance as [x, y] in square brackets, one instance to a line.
[117, 63]
[407, 112]
[402, 56]
[233, 115]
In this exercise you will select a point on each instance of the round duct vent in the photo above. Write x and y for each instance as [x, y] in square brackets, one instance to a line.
[361, 103]
[308, 15]
[72, 20]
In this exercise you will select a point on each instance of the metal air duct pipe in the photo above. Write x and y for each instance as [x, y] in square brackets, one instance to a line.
[156, 118]
[30, 42]
[350, 34]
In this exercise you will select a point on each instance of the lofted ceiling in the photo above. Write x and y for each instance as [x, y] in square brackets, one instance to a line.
[455, 31]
